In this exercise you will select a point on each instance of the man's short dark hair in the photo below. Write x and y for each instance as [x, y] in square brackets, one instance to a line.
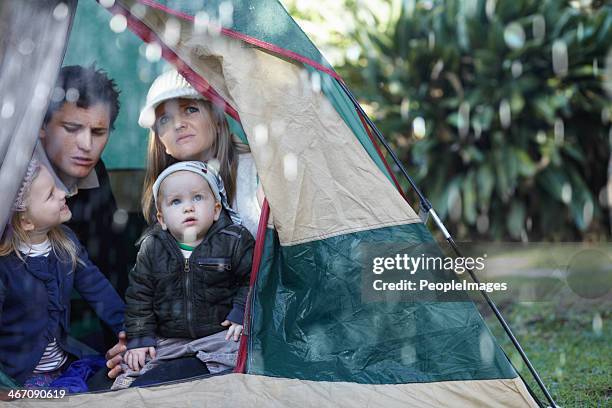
[85, 86]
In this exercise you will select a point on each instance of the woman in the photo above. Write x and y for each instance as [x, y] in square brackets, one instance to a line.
[184, 126]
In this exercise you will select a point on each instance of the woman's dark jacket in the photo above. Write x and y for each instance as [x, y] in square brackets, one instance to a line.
[35, 306]
[170, 296]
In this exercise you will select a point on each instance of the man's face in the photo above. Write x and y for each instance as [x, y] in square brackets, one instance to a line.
[74, 139]
[187, 206]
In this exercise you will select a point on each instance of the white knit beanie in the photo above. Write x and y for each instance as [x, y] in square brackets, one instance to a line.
[168, 85]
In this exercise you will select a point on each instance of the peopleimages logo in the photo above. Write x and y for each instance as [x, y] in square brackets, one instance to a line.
[411, 264]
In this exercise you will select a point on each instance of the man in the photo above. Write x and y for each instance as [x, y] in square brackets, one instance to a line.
[76, 128]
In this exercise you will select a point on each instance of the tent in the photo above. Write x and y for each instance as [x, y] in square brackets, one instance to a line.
[313, 337]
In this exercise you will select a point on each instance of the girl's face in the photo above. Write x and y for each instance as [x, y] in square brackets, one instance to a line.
[46, 205]
[186, 129]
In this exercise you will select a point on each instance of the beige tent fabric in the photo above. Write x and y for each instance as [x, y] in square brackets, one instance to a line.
[317, 177]
[249, 391]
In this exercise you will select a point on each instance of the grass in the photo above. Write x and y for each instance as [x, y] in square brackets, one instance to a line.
[569, 342]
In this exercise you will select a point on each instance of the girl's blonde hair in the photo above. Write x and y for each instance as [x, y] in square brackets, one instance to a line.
[157, 160]
[14, 235]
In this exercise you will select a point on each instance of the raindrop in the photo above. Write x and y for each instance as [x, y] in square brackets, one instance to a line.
[418, 127]
[315, 82]
[405, 108]
[514, 36]
[214, 28]
[26, 46]
[595, 67]
[395, 87]
[597, 324]
[566, 193]
[559, 56]
[490, 8]
[487, 347]
[559, 131]
[408, 355]
[607, 85]
[8, 109]
[528, 223]
[72, 95]
[538, 27]
[153, 52]
[200, 22]
[516, 69]
[587, 213]
[148, 118]
[505, 115]
[107, 3]
[603, 197]
[172, 32]
[60, 11]
[120, 219]
[482, 223]
[58, 94]
[437, 69]
[41, 93]
[226, 14]
[214, 164]
[290, 166]
[190, 234]
[410, 6]
[118, 23]
[464, 118]
[261, 135]
[471, 7]
[605, 116]
[541, 137]
[431, 40]
[352, 53]
[580, 32]
[477, 129]
[453, 203]
[138, 10]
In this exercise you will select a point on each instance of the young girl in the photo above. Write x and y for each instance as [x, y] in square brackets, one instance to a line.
[40, 262]
[184, 126]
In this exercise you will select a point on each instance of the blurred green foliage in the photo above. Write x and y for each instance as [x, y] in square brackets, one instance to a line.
[498, 108]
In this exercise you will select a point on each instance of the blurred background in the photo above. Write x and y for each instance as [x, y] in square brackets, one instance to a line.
[500, 109]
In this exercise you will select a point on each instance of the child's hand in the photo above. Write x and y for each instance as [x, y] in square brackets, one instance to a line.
[135, 358]
[235, 330]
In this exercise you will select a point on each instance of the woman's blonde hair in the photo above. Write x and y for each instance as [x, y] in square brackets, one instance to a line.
[15, 235]
[158, 160]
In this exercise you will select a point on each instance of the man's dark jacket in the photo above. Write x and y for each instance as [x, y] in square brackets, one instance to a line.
[92, 220]
[170, 296]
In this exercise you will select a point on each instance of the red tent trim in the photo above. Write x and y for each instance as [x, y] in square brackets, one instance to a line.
[196, 80]
[257, 254]
[251, 40]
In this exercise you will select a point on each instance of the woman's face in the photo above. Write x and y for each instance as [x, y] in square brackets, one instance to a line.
[186, 129]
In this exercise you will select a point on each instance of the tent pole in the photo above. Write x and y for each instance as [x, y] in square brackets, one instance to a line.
[427, 208]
